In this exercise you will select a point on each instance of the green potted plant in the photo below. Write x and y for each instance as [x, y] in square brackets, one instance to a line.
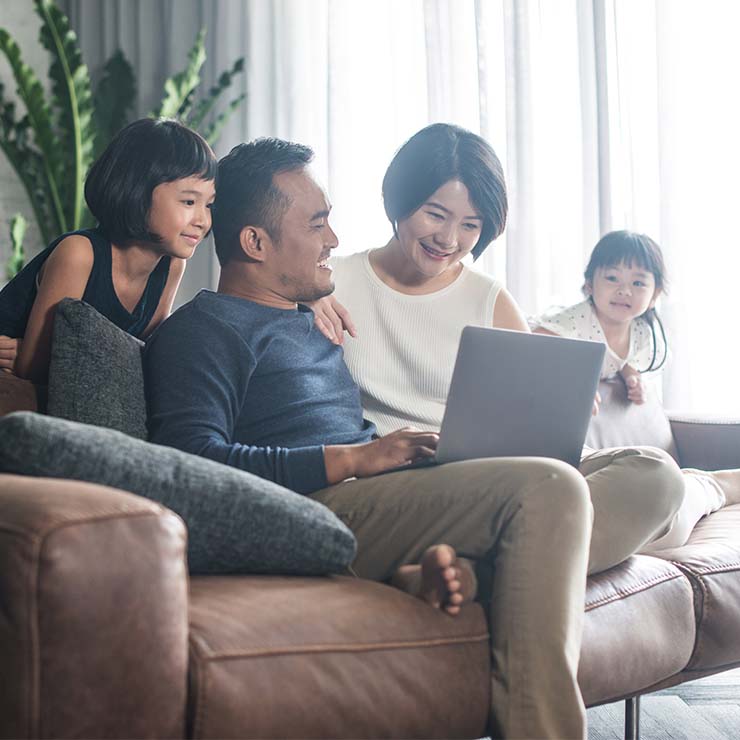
[52, 144]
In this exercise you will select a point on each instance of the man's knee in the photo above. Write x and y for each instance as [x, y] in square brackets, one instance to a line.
[559, 490]
[658, 483]
[668, 482]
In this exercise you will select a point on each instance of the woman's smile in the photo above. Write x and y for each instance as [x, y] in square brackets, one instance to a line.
[435, 254]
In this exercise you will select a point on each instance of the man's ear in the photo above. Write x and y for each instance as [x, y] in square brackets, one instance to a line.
[253, 241]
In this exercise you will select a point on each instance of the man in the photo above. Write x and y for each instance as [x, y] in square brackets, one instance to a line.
[242, 376]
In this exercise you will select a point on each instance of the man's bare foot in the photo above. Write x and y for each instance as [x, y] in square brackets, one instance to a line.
[442, 580]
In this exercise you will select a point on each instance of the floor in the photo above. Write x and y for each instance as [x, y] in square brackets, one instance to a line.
[707, 709]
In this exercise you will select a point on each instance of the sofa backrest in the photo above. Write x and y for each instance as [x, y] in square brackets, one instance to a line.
[621, 423]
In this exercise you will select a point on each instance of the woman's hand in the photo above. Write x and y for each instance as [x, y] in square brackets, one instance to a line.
[9, 349]
[396, 449]
[332, 319]
[636, 390]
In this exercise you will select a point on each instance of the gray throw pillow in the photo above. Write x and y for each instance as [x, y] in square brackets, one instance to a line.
[95, 374]
[237, 522]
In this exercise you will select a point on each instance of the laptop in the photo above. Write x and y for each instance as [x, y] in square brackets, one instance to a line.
[516, 394]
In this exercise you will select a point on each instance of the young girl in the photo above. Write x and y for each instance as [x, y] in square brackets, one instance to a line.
[623, 280]
[151, 192]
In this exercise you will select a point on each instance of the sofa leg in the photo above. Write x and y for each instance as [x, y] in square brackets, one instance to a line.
[632, 718]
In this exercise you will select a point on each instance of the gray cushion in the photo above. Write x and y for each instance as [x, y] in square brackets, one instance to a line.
[237, 522]
[621, 423]
[95, 375]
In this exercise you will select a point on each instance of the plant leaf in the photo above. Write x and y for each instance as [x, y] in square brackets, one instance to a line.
[30, 168]
[18, 226]
[38, 119]
[213, 132]
[17, 257]
[180, 88]
[72, 99]
[16, 142]
[114, 97]
[205, 106]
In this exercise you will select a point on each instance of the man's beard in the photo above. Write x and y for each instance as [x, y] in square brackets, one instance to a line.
[302, 293]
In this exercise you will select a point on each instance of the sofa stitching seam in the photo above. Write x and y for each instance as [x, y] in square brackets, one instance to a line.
[724, 567]
[700, 609]
[730, 423]
[200, 712]
[34, 690]
[58, 526]
[643, 586]
[338, 648]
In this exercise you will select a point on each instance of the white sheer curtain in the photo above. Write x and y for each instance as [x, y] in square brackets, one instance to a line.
[673, 118]
[606, 114]
[356, 79]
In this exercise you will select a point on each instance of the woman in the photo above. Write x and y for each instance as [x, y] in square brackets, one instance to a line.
[445, 197]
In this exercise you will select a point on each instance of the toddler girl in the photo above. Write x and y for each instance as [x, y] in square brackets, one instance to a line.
[623, 280]
[151, 192]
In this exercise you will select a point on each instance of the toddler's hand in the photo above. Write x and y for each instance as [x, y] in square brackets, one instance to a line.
[636, 390]
[597, 404]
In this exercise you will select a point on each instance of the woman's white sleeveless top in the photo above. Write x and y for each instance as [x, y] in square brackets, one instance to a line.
[406, 347]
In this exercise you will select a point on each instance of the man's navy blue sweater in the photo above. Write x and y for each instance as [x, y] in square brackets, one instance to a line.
[251, 386]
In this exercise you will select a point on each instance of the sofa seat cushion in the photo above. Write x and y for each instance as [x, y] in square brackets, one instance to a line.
[711, 560]
[332, 657]
[639, 628]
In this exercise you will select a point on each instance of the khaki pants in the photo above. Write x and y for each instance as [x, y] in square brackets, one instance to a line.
[636, 493]
[529, 521]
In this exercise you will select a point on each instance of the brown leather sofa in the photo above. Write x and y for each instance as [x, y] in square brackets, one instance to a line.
[102, 633]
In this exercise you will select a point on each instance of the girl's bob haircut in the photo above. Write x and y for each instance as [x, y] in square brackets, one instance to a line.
[144, 154]
[629, 248]
[440, 153]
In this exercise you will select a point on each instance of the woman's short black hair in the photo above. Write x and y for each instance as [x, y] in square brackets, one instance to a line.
[628, 248]
[144, 154]
[440, 153]
[246, 194]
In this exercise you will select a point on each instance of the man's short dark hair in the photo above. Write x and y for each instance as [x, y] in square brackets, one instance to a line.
[144, 154]
[246, 194]
[440, 153]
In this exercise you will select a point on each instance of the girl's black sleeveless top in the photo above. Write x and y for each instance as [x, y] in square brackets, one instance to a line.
[17, 297]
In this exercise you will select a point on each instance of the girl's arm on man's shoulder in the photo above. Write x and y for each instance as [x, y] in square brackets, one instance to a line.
[65, 275]
[507, 314]
[164, 307]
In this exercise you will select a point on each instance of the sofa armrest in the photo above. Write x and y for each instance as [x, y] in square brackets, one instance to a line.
[706, 443]
[93, 613]
[20, 395]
